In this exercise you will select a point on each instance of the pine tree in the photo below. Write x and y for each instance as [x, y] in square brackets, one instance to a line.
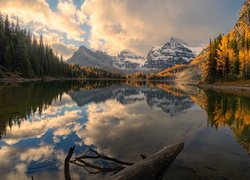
[1, 39]
[211, 69]
[7, 44]
[20, 53]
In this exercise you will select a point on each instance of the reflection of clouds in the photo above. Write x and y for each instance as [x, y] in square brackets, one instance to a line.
[6, 152]
[56, 123]
[55, 108]
[34, 154]
[66, 100]
[29, 154]
[24, 157]
[136, 128]
[38, 128]
[62, 131]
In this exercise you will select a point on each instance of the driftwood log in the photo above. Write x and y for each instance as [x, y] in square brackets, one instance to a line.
[153, 167]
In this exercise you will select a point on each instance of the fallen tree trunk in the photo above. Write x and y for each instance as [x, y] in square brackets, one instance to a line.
[153, 167]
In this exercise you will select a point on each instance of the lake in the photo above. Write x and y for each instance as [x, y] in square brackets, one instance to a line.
[40, 121]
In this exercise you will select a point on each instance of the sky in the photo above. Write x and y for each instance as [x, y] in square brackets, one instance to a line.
[114, 25]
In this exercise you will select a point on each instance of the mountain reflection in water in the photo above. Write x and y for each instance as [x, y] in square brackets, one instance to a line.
[40, 121]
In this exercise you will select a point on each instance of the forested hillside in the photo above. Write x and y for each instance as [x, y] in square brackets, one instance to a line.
[226, 58]
[229, 57]
[25, 55]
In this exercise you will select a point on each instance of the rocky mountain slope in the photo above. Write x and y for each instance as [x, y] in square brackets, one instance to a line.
[86, 57]
[173, 52]
[128, 61]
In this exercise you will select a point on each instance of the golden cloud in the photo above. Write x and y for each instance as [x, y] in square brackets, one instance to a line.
[141, 24]
[37, 15]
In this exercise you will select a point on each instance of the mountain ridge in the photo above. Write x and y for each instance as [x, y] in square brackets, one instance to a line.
[175, 51]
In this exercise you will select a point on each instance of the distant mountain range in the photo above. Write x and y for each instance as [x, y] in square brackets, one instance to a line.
[171, 53]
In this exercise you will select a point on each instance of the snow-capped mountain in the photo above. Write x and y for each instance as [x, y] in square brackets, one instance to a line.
[86, 57]
[173, 52]
[128, 61]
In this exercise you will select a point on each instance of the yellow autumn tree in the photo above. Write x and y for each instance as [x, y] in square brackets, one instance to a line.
[244, 54]
[225, 56]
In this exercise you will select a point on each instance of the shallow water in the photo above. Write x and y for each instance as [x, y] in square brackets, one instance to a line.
[40, 121]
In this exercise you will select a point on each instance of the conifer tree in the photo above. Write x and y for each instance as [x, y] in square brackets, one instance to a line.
[22, 54]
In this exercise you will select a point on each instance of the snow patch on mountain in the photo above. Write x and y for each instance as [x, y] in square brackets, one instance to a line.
[171, 53]
[129, 61]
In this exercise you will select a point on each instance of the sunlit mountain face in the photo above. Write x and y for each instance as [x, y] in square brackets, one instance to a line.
[40, 121]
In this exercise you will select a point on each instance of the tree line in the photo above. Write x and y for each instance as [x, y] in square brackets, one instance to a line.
[25, 55]
[229, 57]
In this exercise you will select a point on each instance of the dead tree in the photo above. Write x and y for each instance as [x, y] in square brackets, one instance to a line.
[152, 167]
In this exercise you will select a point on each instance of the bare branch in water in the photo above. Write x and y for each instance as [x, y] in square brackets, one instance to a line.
[104, 157]
[92, 168]
[98, 169]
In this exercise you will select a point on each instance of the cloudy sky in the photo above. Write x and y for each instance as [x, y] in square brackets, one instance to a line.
[114, 25]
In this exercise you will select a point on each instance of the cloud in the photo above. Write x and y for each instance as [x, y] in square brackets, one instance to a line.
[38, 128]
[65, 50]
[56, 26]
[114, 25]
[38, 11]
[141, 24]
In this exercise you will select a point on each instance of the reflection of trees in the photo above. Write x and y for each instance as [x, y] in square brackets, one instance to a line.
[230, 110]
[19, 101]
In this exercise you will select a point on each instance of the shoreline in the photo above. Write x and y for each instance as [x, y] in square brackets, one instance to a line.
[21, 80]
[231, 89]
[211, 86]
[237, 86]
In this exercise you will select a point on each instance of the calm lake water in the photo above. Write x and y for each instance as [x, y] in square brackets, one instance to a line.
[40, 121]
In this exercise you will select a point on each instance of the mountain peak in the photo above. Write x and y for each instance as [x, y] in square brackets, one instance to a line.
[174, 40]
[245, 13]
[127, 51]
[175, 51]
[82, 47]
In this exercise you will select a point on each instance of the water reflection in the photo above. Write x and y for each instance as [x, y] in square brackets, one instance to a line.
[232, 111]
[40, 121]
[19, 101]
[168, 101]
